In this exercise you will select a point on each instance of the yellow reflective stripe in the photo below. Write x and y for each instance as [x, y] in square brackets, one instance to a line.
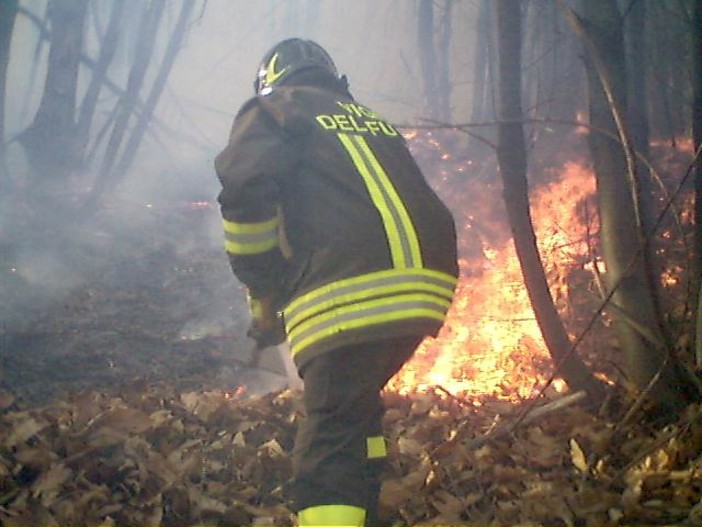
[249, 248]
[426, 279]
[234, 227]
[400, 233]
[409, 235]
[298, 345]
[353, 293]
[375, 298]
[362, 314]
[376, 448]
[393, 236]
[251, 238]
[366, 294]
[332, 516]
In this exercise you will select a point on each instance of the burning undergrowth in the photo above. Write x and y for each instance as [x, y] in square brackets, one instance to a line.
[491, 342]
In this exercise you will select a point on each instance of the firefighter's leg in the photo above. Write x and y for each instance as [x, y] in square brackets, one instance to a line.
[398, 352]
[340, 448]
[329, 457]
[374, 469]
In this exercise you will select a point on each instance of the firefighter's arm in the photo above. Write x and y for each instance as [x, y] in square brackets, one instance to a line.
[250, 169]
[257, 261]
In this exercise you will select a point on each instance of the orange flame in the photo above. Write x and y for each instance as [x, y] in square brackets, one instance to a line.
[491, 343]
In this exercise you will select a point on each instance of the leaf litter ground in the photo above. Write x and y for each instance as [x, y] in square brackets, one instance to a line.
[154, 455]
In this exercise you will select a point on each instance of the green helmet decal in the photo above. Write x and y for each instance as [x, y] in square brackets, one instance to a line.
[272, 74]
[287, 58]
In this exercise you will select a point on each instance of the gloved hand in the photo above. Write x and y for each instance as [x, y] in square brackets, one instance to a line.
[267, 327]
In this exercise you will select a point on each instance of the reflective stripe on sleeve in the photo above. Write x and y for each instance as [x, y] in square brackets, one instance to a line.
[251, 238]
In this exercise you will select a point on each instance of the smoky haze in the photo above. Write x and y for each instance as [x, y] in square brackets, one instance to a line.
[142, 286]
[373, 42]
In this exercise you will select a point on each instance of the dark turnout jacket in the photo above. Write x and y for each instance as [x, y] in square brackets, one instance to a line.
[325, 209]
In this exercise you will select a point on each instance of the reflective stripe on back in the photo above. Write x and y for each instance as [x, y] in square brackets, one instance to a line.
[400, 233]
[376, 298]
[380, 283]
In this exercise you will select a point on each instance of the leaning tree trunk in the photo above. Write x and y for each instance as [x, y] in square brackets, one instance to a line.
[648, 360]
[511, 155]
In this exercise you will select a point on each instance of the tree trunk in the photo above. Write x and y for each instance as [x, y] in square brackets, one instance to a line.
[481, 106]
[427, 55]
[637, 95]
[511, 155]
[8, 12]
[51, 139]
[99, 73]
[636, 53]
[443, 65]
[646, 354]
[541, 84]
[668, 67]
[636, 42]
[141, 126]
[553, 84]
[42, 24]
[697, 142]
[697, 127]
[145, 44]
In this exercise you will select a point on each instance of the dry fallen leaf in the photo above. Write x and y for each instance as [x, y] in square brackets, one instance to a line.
[21, 431]
[125, 420]
[7, 399]
[577, 456]
[47, 486]
[449, 506]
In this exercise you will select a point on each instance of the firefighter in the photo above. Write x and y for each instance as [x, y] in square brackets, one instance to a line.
[332, 228]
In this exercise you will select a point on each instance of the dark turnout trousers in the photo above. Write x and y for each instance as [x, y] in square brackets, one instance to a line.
[340, 450]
